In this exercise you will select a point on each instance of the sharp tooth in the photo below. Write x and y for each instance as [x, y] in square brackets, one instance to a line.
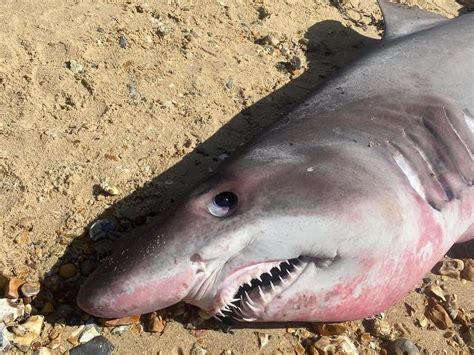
[261, 293]
[273, 286]
[220, 313]
[226, 308]
[282, 280]
[235, 300]
[234, 306]
[248, 297]
[297, 267]
[253, 308]
[249, 319]
[259, 278]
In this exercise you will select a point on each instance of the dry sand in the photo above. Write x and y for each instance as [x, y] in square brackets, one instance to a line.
[147, 97]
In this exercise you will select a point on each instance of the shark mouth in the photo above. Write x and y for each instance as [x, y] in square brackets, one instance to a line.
[248, 291]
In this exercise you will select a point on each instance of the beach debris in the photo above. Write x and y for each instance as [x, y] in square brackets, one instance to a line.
[198, 350]
[122, 321]
[120, 329]
[97, 346]
[262, 339]
[403, 346]
[30, 289]
[4, 339]
[13, 286]
[74, 66]
[102, 228]
[155, 323]
[437, 291]
[123, 42]
[107, 188]
[89, 333]
[438, 315]
[28, 332]
[451, 268]
[10, 310]
[468, 272]
[67, 271]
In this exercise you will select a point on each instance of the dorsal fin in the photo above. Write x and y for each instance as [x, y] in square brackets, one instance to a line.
[401, 20]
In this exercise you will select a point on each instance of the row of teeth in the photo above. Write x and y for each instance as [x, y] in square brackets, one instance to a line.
[237, 312]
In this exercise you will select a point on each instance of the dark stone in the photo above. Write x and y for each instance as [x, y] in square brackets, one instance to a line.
[97, 346]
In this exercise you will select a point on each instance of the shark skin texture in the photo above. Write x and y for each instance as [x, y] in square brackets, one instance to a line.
[335, 212]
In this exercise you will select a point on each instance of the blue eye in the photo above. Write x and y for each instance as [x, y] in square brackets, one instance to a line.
[223, 204]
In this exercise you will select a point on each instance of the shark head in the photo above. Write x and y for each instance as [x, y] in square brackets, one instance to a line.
[275, 236]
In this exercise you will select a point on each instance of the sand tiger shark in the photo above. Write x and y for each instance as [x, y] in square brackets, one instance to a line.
[336, 211]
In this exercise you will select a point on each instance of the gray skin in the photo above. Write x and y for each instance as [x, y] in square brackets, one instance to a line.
[368, 183]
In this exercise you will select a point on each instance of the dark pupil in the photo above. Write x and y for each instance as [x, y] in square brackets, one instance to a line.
[226, 199]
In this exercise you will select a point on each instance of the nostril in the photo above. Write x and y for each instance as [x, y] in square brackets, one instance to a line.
[196, 258]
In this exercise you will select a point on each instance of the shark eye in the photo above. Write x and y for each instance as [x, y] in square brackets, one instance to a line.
[223, 204]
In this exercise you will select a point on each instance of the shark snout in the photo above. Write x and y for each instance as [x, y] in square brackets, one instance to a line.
[137, 280]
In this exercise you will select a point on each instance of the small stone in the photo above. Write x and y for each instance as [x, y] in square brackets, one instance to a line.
[404, 346]
[88, 266]
[438, 315]
[48, 308]
[435, 290]
[133, 92]
[4, 339]
[42, 351]
[345, 346]
[12, 288]
[66, 271]
[74, 66]
[109, 189]
[382, 329]
[9, 310]
[155, 323]
[468, 336]
[123, 42]
[332, 329]
[323, 345]
[101, 229]
[97, 346]
[468, 272]
[299, 349]
[198, 350]
[262, 339]
[451, 268]
[122, 321]
[33, 327]
[204, 315]
[295, 63]
[89, 333]
[166, 104]
[422, 321]
[30, 289]
[74, 337]
[270, 40]
[120, 329]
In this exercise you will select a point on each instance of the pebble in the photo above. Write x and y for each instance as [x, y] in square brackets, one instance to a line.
[4, 339]
[198, 350]
[262, 339]
[268, 40]
[105, 186]
[435, 290]
[332, 329]
[451, 268]
[120, 329]
[66, 271]
[133, 92]
[89, 333]
[295, 63]
[122, 321]
[468, 272]
[75, 66]
[404, 346]
[123, 42]
[88, 266]
[42, 351]
[97, 346]
[9, 311]
[30, 289]
[155, 323]
[32, 327]
[438, 315]
[468, 336]
[101, 229]
[12, 288]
